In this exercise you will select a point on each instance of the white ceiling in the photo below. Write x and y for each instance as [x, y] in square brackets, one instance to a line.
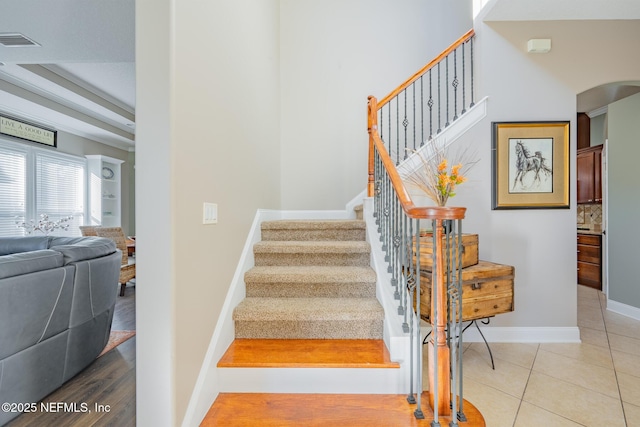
[82, 77]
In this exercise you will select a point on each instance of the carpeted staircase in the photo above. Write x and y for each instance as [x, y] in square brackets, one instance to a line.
[311, 280]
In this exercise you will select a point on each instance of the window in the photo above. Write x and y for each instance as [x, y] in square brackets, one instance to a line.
[35, 181]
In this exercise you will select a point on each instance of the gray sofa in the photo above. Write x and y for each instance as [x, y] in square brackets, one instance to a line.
[57, 297]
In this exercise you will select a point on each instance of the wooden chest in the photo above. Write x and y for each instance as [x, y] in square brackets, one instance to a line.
[487, 290]
[469, 250]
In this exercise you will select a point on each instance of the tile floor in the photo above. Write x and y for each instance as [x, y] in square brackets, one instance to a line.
[594, 383]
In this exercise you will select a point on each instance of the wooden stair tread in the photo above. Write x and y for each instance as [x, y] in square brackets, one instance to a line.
[302, 353]
[315, 410]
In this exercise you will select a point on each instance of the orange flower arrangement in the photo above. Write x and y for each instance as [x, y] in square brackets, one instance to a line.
[435, 179]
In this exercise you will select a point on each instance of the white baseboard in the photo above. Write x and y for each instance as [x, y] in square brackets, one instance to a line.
[624, 309]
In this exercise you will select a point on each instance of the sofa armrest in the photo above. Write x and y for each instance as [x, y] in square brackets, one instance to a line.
[29, 262]
[14, 245]
[75, 249]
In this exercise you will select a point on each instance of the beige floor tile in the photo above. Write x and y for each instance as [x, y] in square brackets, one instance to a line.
[589, 302]
[584, 291]
[626, 363]
[629, 388]
[521, 354]
[584, 352]
[498, 409]
[532, 416]
[507, 377]
[591, 319]
[612, 318]
[623, 330]
[624, 343]
[594, 337]
[632, 414]
[580, 373]
[571, 401]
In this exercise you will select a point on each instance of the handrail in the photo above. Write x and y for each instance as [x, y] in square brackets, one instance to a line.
[466, 37]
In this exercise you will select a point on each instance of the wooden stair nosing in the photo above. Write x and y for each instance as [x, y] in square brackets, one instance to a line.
[307, 353]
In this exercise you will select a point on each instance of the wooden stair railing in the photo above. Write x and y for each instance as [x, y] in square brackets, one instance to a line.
[398, 220]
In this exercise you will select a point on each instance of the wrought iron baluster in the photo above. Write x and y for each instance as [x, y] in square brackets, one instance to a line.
[413, 86]
[397, 131]
[418, 340]
[471, 69]
[446, 89]
[439, 103]
[464, 82]
[454, 83]
[430, 103]
[421, 112]
[405, 123]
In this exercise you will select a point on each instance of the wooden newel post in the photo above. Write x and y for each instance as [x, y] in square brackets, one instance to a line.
[437, 348]
[372, 125]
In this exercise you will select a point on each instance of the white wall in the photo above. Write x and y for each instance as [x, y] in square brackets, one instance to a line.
[623, 200]
[207, 130]
[540, 244]
[334, 54]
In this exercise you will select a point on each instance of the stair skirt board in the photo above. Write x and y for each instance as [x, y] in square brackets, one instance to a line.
[313, 380]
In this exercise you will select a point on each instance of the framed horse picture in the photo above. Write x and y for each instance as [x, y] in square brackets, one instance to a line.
[530, 165]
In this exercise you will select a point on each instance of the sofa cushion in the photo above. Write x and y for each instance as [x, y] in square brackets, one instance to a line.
[76, 249]
[29, 262]
[14, 245]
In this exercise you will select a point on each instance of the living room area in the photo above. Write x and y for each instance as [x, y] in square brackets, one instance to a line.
[67, 160]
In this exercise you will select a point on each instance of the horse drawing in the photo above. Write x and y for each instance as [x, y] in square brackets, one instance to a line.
[526, 163]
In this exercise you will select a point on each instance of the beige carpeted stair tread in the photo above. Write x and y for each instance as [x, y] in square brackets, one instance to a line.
[337, 247]
[300, 224]
[327, 253]
[305, 230]
[313, 309]
[311, 281]
[309, 318]
[311, 274]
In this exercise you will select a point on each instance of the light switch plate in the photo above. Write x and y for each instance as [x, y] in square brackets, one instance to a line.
[209, 213]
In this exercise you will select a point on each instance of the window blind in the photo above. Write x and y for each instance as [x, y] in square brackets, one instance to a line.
[13, 187]
[36, 181]
[60, 189]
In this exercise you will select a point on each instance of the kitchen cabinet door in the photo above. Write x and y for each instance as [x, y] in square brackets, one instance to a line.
[589, 174]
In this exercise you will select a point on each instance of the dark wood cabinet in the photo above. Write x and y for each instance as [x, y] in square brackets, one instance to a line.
[589, 172]
[590, 260]
[583, 134]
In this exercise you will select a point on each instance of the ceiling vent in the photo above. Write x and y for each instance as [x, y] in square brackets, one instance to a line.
[16, 40]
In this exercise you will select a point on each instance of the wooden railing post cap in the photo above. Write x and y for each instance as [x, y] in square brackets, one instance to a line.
[442, 212]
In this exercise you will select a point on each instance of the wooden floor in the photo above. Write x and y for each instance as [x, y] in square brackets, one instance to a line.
[323, 410]
[110, 381]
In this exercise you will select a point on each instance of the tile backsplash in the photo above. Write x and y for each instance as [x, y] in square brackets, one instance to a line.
[589, 216]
